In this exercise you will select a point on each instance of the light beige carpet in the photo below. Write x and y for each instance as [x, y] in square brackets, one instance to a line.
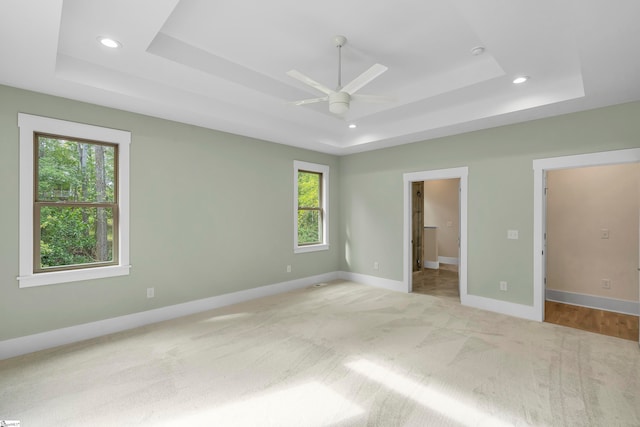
[343, 354]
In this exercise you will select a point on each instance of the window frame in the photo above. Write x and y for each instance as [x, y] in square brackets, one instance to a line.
[30, 125]
[323, 170]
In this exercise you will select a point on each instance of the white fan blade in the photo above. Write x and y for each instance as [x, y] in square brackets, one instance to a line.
[310, 101]
[309, 81]
[373, 98]
[364, 78]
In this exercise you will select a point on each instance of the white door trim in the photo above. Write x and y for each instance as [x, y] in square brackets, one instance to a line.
[631, 155]
[462, 173]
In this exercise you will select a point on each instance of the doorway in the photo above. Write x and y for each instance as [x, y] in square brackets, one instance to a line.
[441, 174]
[541, 167]
[592, 248]
[440, 239]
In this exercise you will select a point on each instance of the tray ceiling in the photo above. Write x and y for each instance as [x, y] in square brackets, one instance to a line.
[222, 64]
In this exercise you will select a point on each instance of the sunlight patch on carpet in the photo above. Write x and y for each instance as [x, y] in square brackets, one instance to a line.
[310, 404]
[427, 396]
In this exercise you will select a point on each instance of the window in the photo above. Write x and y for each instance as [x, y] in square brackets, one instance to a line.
[311, 186]
[75, 208]
[309, 208]
[74, 213]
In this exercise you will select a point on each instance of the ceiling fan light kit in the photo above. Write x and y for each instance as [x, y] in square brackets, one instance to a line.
[340, 99]
[339, 102]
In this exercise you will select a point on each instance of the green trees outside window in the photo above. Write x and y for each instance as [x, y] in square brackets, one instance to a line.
[309, 208]
[75, 203]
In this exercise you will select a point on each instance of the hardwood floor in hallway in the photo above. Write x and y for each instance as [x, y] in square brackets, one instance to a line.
[442, 282]
[589, 319]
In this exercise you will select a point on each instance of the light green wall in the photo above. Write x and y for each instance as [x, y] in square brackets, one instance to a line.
[211, 213]
[500, 193]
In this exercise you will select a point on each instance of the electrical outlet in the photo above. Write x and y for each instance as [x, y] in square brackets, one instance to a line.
[606, 283]
[376, 265]
[512, 234]
[151, 292]
[288, 269]
[503, 285]
[604, 233]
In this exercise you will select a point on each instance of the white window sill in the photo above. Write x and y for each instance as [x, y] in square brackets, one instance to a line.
[53, 277]
[311, 248]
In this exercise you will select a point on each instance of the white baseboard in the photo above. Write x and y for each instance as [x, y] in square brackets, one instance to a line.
[502, 307]
[497, 306]
[41, 341]
[448, 260]
[378, 282]
[441, 260]
[591, 301]
[30, 343]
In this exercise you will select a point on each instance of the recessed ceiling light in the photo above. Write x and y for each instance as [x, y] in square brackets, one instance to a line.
[520, 80]
[109, 42]
[352, 126]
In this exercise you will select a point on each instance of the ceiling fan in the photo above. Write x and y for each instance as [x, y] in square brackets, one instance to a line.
[340, 99]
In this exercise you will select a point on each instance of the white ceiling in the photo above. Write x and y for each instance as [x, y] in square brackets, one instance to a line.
[222, 64]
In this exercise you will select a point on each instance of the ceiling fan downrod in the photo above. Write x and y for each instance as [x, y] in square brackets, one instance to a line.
[340, 41]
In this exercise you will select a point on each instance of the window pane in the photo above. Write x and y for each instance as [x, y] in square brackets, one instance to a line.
[75, 171]
[309, 189]
[75, 235]
[309, 227]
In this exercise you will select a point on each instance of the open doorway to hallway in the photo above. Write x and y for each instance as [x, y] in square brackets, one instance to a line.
[592, 248]
[597, 231]
[461, 173]
[439, 237]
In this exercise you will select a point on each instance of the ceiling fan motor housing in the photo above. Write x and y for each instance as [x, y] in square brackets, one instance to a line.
[339, 102]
